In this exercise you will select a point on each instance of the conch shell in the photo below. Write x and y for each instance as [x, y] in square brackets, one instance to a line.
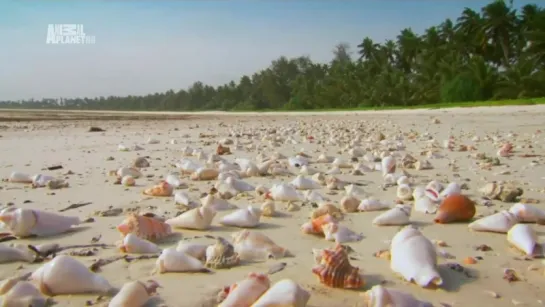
[252, 245]
[134, 294]
[23, 222]
[205, 174]
[17, 293]
[404, 192]
[523, 237]
[327, 209]
[340, 234]
[247, 218]
[16, 252]
[349, 204]
[148, 228]
[18, 177]
[501, 191]
[247, 291]
[173, 260]
[195, 250]
[302, 183]
[66, 275]
[425, 205]
[132, 244]
[314, 226]
[380, 296]
[455, 208]
[162, 189]
[198, 218]
[335, 270]
[371, 204]
[527, 213]
[388, 165]
[499, 222]
[268, 208]
[216, 203]
[414, 257]
[285, 292]
[398, 215]
[221, 255]
[285, 192]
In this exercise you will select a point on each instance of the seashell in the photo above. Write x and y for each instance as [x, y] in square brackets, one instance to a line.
[419, 192]
[140, 162]
[371, 204]
[188, 166]
[27, 222]
[152, 141]
[390, 179]
[499, 222]
[285, 292]
[16, 252]
[251, 245]
[499, 191]
[129, 171]
[523, 237]
[324, 159]
[435, 185]
[340, 163]
[162, 189]
[21, 294]
[173, 260]
[239, 185]
[339, 234]
[268, 208]
[425, 205]
[314, 226]
[205, 174]
[40, 180]
[433, 195]
[261, 190]
[297, 161]
[335, 270]
[314, 196]
[380, 296]
[334, 183]
[247, 291]
[414, 257]
[455, 208]
[134, 294]
[327, 209]
[248, 217]
[527, 213]
[198, 219]
[221, 255]
[452, 188]
[306, 170]
[148, 228]
[215, 203]
[398, 215]
[302, 183]
[195, 250]
[285, 192]
[132, 244]
[404, 192]
[353, 190]
[19, 177]
[174, 181]
[349, 204]
[292, 207]
[403, 180]
[181, 198]
[319, 177]
[128, 181]
[388, 165]
[422, 165]
[66, 275]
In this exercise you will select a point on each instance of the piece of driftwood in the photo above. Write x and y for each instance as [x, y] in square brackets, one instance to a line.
[41, 255]
[75, 206]
[99, 263]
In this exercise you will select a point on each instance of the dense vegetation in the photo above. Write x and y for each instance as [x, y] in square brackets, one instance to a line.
[497, 53]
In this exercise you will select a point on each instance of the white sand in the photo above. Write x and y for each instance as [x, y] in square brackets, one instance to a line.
[31, 146]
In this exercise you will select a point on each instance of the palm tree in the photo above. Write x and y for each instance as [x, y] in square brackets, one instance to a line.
[498, 26]
[368, 49]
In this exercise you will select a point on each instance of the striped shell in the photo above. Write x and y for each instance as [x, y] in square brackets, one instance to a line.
[149, 228]
[221, 255]
[315, 225]
[335, 270]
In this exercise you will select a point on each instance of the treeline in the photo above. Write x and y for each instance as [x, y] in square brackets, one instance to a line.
[497, 53]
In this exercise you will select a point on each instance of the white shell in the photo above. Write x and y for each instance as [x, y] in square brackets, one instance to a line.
[268, 208]
[216, 203]
[380, 296]
[40, 180]
[19, 177]
[371, 204]
[452, 188]
[132, 294]
[174, 180]
[133, 244]
[285, 192]
[398, 215]
[498, 222]
[181, 198]
[248, 217]
[425, 205]
[173, 260]
[314, 196]
[435, 185]
[285, 292]
[302, 183]
[354, 190]
[246, 292]
[24, 222]
[129, 171]
[414, 257]
[198, 219]
[256, 246]
[16, 252]
[527, 213]
[404, 192]
[403, 180]
[23, 294]
[66, 275]
[339, 233]
[387, 164]
[523, 237]
[195, 250]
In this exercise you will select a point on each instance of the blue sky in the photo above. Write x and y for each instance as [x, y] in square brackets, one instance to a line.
[153, 46]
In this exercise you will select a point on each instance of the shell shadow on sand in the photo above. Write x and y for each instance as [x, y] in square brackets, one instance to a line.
[455, 276]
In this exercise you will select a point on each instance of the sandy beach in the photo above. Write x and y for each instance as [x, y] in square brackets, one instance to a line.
[31, 141]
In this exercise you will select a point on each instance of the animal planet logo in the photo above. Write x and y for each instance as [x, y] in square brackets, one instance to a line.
[69, 34]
